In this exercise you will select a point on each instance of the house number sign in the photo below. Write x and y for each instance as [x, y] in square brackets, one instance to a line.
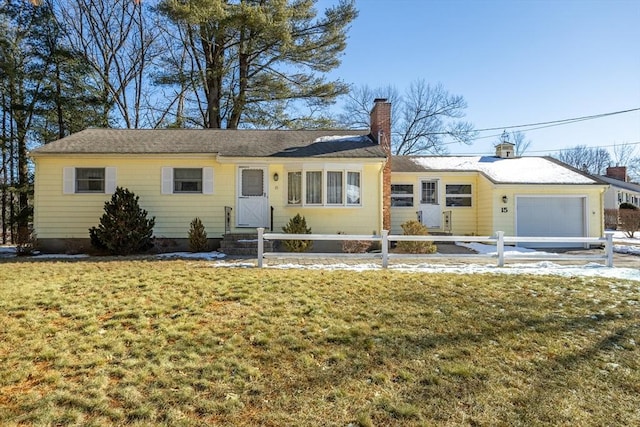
[504, 210]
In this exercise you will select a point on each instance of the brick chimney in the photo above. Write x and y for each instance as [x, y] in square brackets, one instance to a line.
[381, 132]
[617, 172]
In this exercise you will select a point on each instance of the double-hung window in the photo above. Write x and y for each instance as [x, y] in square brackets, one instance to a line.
[327, 187]
[100, 180]
[458, 195]
[187, 180]
[90, 180]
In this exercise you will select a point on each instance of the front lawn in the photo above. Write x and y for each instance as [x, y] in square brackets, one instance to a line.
[182, 343]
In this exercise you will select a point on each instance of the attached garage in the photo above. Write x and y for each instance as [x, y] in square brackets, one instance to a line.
[551, 216]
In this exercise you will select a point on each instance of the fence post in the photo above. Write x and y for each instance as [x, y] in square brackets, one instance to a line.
[385, 248]
[260, 246]
[500, 248]
[608, 247]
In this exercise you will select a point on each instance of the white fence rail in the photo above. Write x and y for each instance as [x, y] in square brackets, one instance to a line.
[499, 240]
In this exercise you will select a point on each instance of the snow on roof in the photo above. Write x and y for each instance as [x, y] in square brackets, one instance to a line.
[521, 170]
[344, 138]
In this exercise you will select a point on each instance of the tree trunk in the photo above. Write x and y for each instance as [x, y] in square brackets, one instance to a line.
[240, 100]
[58, 102]
[214, 63]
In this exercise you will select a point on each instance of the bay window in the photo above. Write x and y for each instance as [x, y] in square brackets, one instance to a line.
[334, 188]
[327, 187]
[314, 188]
[294, 191]
[353, 188]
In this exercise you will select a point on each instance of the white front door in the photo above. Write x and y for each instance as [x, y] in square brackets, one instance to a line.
[253, 201]
[430, 203]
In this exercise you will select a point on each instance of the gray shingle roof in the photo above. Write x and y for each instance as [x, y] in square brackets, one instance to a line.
[229, 143]
[620, 184]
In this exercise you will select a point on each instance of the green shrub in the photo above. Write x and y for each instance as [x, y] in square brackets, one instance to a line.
[124, 228]
[415, 228]
[197, 237]
[297, 225]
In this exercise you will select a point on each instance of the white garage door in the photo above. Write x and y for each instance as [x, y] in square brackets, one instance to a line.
[551, 217]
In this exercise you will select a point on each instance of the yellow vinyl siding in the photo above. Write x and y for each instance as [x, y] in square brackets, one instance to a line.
[486, 215]
[594, 204]
[59, 215]
[489, 206]
[400, 215]
[463, 219]
[363, 219]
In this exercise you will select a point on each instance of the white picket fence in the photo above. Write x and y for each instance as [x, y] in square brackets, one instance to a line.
[499, 240]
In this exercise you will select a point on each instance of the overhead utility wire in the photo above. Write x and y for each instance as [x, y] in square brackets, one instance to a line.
[558, 122]
[559, 149]
[596, 146]
[548, 125]
[545, 124]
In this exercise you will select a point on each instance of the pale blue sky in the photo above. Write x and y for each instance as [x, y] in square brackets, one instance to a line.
[515, 62]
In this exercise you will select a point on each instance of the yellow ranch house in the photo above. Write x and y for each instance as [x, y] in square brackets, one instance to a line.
[339, 180]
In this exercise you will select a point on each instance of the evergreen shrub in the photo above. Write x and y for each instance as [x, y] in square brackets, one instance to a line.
[197, 237]
[124, 228]
[297, 225]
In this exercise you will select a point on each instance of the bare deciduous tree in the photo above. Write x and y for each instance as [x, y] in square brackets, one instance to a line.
[627, 155]
[591, 160]
[118, 39]
[421, 119]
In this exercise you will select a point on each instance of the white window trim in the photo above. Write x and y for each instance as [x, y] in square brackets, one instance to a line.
[167, 180]
[323, 184]
[69, 179]
[287, 201]
[469, 196]
[437, 190]
[411, 196]
[344, 169]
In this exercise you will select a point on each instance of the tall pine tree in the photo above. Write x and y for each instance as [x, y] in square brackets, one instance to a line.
[254, 61]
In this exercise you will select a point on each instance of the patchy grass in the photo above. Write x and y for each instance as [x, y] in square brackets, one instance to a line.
[181, 343]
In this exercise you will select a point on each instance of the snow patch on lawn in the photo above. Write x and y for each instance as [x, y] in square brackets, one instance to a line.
[194, 255]
[485, 249]
[542, 268]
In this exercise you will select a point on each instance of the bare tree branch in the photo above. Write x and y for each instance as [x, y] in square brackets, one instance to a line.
[420, 119]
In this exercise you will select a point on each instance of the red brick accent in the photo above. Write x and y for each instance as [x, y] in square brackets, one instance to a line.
[381, 131]
[617, 172]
